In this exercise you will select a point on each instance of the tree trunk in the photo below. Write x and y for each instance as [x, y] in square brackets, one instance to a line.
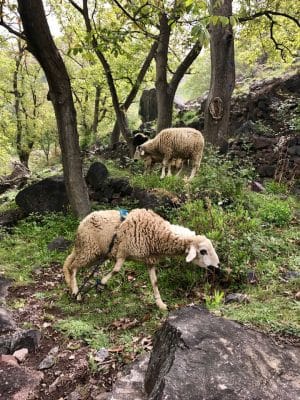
[134, 90]
[164, 101]
[222, 82]
[41, 45]
[165, 91]
[96, 111]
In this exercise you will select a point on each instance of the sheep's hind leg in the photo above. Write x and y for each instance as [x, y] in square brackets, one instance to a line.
[115, 269]
[66, 268]
[153, 278]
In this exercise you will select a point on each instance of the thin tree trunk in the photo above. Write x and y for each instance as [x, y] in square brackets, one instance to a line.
[164, 102]
[115, 136]
[96, 111]
[41, 45]
[17, 102]
[222, 82]
[165, 91]
[120, 113]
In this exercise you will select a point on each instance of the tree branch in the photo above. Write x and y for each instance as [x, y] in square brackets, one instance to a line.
[268, 13]
[185, 64]
[75, 5]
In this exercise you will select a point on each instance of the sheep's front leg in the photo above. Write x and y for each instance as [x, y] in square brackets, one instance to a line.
[115, 269]
[153, 278]
[163, 170]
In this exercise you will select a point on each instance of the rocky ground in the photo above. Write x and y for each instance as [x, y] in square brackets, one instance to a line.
[58, 367]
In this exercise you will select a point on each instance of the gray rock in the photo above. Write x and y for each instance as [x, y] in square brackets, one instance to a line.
[24, 339]
[96, 175]
[6, 321]
[236, 298]
[257, 187]
[74, 396]
[289, 275]
[101, 355]
[47, 362]
[197, 355]
[130, 385]
[59, 244]
[4, 285]
[47, 195]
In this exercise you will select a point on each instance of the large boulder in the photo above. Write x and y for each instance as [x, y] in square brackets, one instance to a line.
[148, 105]
[96, 175]
[47, 195]
[197, 355]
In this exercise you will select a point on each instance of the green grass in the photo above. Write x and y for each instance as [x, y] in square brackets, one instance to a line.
[24, 248]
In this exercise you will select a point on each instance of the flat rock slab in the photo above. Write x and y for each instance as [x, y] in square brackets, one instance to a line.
[16, 382]
[4, 285]
[29, 339]
[6, 321]
[197, 355]
[130, 385]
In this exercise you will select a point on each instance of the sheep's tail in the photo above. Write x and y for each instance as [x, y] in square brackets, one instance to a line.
[66, 267]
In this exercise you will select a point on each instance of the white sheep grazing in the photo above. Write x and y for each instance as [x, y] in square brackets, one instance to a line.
[143, 236]
[174, 143]
[150, 160]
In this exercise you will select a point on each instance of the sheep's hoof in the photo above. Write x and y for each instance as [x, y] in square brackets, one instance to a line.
[162, 306]
[78, 297]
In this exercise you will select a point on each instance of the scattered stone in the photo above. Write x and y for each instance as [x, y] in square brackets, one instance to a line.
[54, 385]
[74, 396]
[290, 275]
[257, 187]
[59, 244]
[47, 362]
[104, 396]
[21, 354]
[101, 355]
[237, 298]
[130, 383]
[220, 359]
[297, 296]
[54, 351]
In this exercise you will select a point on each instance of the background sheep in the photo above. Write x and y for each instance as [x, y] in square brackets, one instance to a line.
[174, 143]
[151, 159]
[143, 236]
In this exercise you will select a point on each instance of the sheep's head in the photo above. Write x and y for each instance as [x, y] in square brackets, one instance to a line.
[201, 252]
[139, 153]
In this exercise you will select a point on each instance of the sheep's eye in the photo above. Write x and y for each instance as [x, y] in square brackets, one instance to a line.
[203, 252]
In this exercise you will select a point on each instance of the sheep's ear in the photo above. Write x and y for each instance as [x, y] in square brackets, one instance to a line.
[142, 152]
[191, 254]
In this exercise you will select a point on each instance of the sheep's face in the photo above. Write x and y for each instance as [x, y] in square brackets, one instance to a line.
[139, 153]
[201, 252]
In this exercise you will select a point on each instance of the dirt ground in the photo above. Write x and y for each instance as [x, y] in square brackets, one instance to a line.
[71, 377]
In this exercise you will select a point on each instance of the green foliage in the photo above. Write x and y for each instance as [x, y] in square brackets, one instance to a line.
[214, 301]
[275, 211]
[24, 248]
[83, 329]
